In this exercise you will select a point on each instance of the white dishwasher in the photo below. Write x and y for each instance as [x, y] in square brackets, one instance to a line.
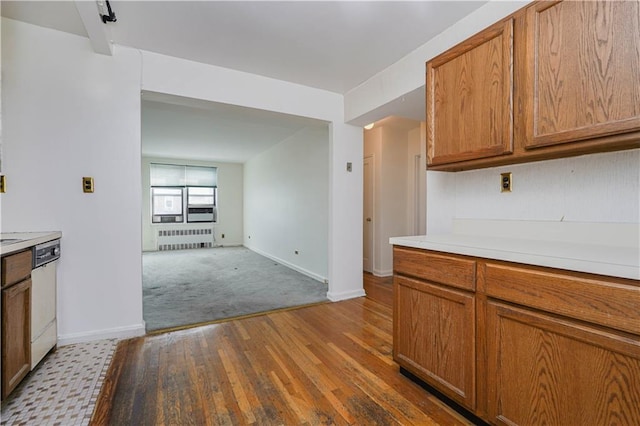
[44, 330]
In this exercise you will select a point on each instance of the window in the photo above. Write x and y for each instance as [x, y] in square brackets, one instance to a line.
[166, 205]
[169, 198]
[201, 196]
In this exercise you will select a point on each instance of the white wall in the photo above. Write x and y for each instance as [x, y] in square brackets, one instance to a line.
[230, 204]
[393, 193]
[591, 188]
[345, 211]
[416, 181]
[286, 198]
[69, 113]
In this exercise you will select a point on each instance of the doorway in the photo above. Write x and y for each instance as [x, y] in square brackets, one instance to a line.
[272, 174]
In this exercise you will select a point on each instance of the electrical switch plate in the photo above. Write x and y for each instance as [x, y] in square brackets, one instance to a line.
[3, 184]
[87, 184]
[349, 166]
[506, 182]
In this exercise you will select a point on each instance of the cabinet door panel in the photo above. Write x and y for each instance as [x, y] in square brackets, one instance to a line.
[469, 98]
[584, 64]
[434, 336]
[547, 370]
[16, 340]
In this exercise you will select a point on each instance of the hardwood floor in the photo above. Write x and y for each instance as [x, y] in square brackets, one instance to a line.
[324, 364]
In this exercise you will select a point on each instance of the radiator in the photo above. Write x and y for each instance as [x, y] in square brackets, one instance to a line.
[180, 239]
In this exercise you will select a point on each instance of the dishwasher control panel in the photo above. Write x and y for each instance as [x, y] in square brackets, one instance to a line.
[46, 252]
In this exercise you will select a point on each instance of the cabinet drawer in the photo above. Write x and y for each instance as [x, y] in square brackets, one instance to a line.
[16, 267]
[455, 271]
[609, 302]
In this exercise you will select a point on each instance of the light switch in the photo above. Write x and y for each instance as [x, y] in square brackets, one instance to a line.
[349, 166]
[87, 184]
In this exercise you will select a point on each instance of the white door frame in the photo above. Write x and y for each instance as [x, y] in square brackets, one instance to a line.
[372, 201]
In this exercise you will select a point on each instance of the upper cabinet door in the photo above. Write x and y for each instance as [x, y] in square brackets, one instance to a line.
[581, 79]
[469, 98]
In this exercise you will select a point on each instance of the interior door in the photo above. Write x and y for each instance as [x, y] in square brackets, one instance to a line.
[367, 219]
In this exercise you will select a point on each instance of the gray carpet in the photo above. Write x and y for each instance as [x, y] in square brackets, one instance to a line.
[194, 286]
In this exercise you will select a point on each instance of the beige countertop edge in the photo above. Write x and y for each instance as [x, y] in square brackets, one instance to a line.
[29, 239]
[622, 262]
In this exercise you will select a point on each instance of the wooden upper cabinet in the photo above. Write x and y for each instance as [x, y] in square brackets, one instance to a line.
[581, 76]
[555, 79]
[469, 98]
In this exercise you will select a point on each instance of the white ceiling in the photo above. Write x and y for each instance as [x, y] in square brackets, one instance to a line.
[177, 127]
[330, 45]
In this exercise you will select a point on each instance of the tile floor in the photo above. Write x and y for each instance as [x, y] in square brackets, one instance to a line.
[63, 389]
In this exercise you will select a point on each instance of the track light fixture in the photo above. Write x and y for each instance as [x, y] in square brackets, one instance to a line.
[109, 16]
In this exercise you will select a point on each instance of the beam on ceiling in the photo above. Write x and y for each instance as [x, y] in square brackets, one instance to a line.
[99, 33]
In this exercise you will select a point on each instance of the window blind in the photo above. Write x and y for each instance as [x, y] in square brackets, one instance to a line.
[181, 176]
[201, 176]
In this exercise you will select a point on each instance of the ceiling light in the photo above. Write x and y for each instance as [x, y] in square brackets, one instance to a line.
[369, 126]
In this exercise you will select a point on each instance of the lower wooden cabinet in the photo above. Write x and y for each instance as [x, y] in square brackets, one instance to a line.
[16, 335]
[523, 345]
[545, 369]
[434, 336]
[15, 279]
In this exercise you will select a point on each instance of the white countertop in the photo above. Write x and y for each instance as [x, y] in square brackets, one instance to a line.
[612, 260]
[26, 240]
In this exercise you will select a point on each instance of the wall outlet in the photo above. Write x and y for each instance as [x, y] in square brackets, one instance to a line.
[506, 182]
[87, 184]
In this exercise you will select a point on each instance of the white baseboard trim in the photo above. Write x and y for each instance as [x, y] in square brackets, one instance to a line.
[336, 297]
[111, 333]
[379, 273]
[290, 265]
